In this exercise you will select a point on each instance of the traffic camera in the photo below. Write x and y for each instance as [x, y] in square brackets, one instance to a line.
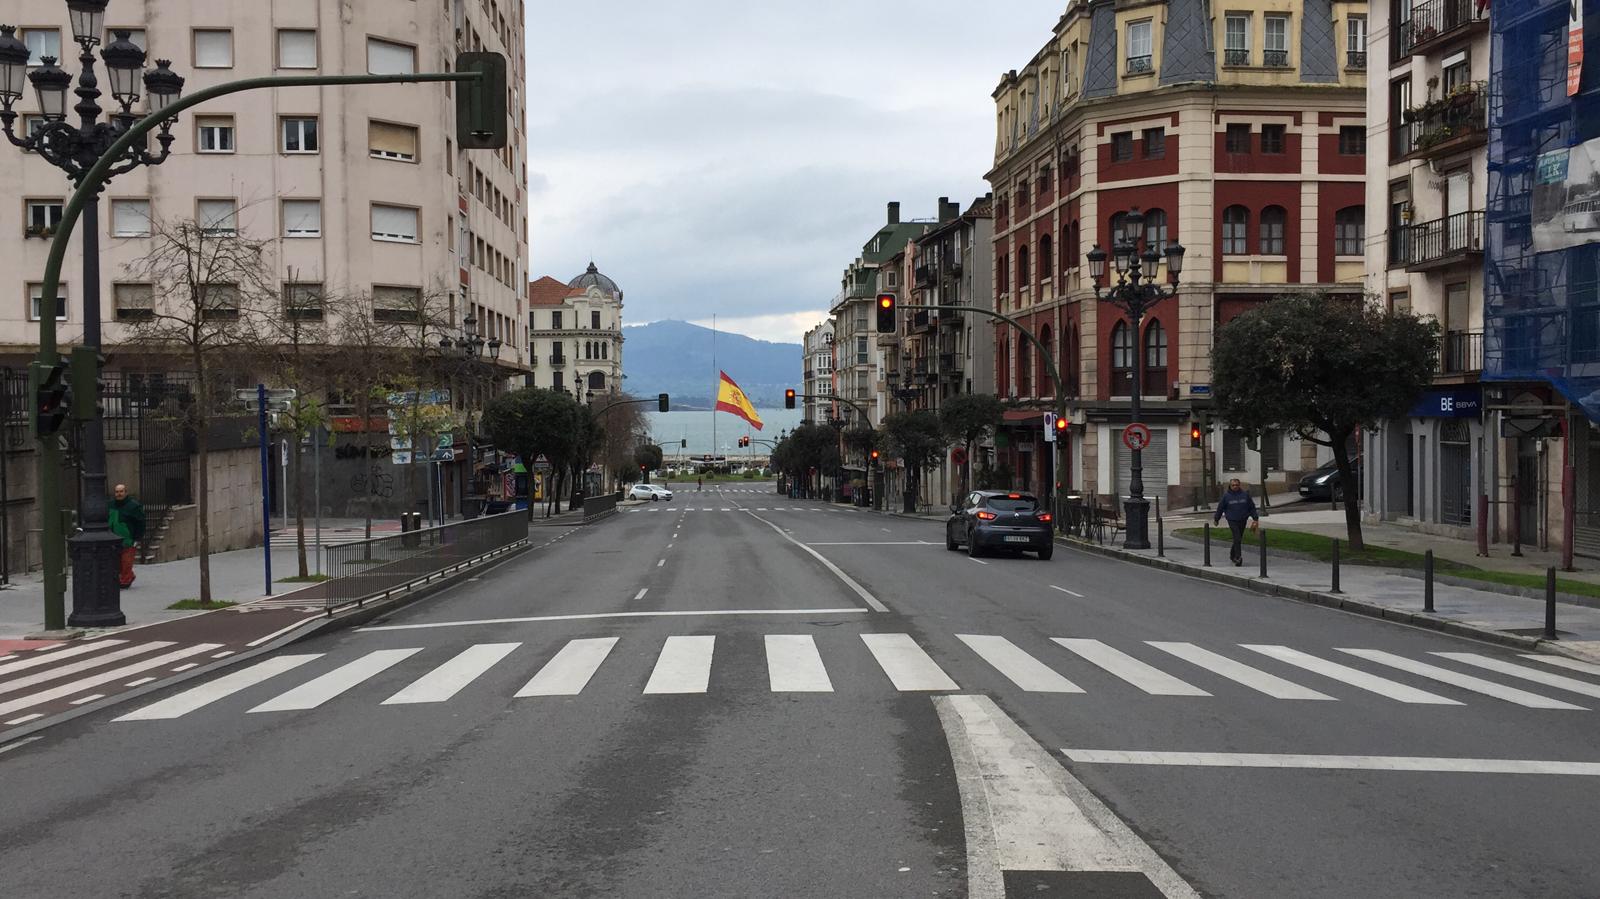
[886, 306]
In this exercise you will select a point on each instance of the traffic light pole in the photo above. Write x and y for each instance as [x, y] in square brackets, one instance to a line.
[52, 517]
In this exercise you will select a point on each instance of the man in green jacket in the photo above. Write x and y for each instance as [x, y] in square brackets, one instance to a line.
[127, 521]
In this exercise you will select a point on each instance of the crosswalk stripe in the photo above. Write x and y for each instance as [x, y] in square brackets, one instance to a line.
[793, 665]
[104, 677]
[1239, 672]
[906, 664]
[320, 689]
[448, 679]
[569, 671]
[1352, 676]
[189, 700]
[1017, 665]
[1559, 681]
[684, 665]
[1464, 681]
[76, 667]
[1148, 678]
[1564, 662]
[36, 661]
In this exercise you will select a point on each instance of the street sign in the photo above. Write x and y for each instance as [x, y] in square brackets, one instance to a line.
[274, 396]
[1199, 389]
[1049, 427]
[1136, 436]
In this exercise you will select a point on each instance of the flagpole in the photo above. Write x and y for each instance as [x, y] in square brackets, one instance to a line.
[718, 394]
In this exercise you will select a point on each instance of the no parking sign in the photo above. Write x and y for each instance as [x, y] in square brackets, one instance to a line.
[1136, 436]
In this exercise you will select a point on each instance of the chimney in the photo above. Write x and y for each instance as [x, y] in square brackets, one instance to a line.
[948, 211]
[894, 213]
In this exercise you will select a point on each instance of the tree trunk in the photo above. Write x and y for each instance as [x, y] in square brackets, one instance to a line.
[299, 508]
[1351, 490]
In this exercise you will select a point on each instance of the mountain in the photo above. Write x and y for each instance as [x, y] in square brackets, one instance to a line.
[676, 357]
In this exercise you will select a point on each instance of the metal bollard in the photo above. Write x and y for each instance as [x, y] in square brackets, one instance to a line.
[1427, 581]
[1207, 542]
[1335, 567]
[1262, 532]
[1550, 603]
[1161, 538]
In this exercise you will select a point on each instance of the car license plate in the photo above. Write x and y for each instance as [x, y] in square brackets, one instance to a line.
[1016, 539]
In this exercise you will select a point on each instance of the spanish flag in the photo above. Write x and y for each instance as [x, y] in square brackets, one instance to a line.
[731, 399]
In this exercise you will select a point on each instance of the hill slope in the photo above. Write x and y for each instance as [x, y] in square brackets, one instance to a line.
[676, 357]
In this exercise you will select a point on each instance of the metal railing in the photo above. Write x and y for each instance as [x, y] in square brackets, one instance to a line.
[1454, 235]
[1441, 122]
[598, 507]
[1275, 58]
[1436, 19]
[1355, 60]
[1138, 65]
[366, 569]
[1235, 57]
[1462, 351]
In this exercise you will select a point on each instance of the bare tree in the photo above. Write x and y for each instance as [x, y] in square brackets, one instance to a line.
[210, 287]
[363, 368]
[414, 321]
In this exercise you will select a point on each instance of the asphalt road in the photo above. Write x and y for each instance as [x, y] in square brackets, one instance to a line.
[709, 710]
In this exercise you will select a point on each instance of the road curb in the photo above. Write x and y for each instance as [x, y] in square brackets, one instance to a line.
[1335, 601]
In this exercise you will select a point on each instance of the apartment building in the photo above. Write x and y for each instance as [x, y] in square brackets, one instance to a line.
[575, 334]
[817, 374]
[1426, 189]
[1238, 131]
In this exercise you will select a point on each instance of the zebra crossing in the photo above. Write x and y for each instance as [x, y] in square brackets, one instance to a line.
[653, 507]
[797, 663]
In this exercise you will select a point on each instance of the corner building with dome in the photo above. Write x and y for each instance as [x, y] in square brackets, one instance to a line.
[575, 334]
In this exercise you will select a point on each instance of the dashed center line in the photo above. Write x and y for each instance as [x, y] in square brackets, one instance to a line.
[640, 595]
[661, 563]
[979, 561]
[90, 698]
[141, 681]
[1066, 591]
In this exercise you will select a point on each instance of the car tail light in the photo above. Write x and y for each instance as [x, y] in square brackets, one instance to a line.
[987, 516]
[1044, 516]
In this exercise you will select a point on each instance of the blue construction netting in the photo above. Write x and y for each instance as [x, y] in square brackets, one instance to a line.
[1542, 223]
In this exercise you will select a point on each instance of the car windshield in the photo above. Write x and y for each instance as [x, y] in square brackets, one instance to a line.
[1009, 504]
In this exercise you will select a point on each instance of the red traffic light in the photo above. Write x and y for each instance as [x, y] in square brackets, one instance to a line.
[886, 301]
[1195, 435]
[1061, 424]
[788, 399]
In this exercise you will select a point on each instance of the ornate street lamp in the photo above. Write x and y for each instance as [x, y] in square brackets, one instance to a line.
[1134, 292]
[75, 149]
[472, 347]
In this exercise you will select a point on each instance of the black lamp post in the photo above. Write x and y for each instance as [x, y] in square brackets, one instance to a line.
[94, 550]
[1134, 293]
[472, 347]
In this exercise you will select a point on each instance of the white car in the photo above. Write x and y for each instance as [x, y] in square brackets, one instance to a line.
[641, 491]
[660, 492]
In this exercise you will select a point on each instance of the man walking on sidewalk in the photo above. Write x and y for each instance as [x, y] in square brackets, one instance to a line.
[127, 521]
[1239, 509]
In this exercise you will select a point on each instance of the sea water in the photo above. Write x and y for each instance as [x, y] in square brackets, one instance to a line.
[671, 428]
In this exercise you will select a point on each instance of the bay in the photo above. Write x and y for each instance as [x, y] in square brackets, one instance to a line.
[671, 428]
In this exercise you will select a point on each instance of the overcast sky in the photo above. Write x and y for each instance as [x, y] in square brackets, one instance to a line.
[732, 156]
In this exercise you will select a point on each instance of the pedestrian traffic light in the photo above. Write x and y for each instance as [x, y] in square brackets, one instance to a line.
[481, 103]
[662, 402]
[788, 399]
[885, 313]
[52, 397]
[1196, 435]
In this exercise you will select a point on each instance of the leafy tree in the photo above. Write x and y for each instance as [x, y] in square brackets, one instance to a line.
[919, 440]
[1323, 367]
[968, 418]
[534, 421]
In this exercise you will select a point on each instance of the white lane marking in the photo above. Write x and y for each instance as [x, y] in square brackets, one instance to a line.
[1016, 664]
[640, 595]
[228, 652]
[320, 689]
[704, 510]
[1564, 662]
[661, 563]
[283, 630]
[30, 680]
[22, 742]
[1464, 681]
[906, 664]
[37, 660]
[596, 615]
[878, 543]
[1239, 672]
[885, 530]
[448, 679]
[727, 510]
[87, 699]
[1148, 678]
[684, 665]
[762, 509]
[1560, 682]
[1352, 676]
[871, 601]
[568, 672]
[1066, 591]
[140, 682]
[1334, 762]
[794, 666]
[979, 561]
[671, 545]
[26, 718]
[1023, 811]
[186, 666]
[197, 697]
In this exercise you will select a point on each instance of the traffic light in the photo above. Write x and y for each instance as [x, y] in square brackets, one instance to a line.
[51, 399]
[684, 443]
[788, 399]
[481, 103]
[885, 313]
[1061, 425]
[1196, 435]
[874, 455]
[662, 402]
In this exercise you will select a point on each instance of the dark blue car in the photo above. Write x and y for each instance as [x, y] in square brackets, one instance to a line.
[1000, 519]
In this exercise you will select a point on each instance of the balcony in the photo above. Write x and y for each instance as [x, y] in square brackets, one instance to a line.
[921, 319]
[1275, 59]
[1461, 352]
[1139, 65]
[1355, 60]
[1236, 57]
[1440, 243]
[924, 276]
[1451, 124]
[947, 365]
[1439, 22]
[558, 361]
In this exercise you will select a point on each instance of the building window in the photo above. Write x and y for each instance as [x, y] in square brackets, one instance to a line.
[1155, 360]
[1355, 42]
[1350, 231]
[133, 302]
[1457, 70]
[36, 296]
[1232, 450]
[1139, 44]
[1235, 228]
[394, 223]
[1121, 359]
[219, 301]
[396, 304]
[390, 58]
[594, 319]
[1275, 49]
[1122, 146]
[1352, 140]
[213, 48]
[555, 323]
[861, 351]
[597, 381]
[215, 134]
[43, 217]
[42, 42]
[1273, 220]
[1155, 143]
[1272, 451]
[1023, 270]
[1237, 138]
[302, 218]
[303, 300]
[297, 48]
[386, 140]
[1155, 230]
[218, 218]
[1272, 139]
[1046, 258]
[1236, 40]
[136, 37]
[299, 134]
[130, 218]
